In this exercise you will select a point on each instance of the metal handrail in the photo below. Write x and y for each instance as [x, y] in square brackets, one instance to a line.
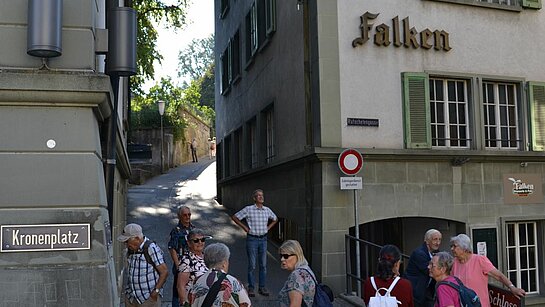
[351, 277]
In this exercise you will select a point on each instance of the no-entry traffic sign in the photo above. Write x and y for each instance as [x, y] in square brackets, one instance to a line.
[350, 161]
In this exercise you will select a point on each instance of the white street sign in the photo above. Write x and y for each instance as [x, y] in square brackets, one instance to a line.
[351, 183]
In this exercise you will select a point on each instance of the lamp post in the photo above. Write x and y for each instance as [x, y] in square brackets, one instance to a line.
[161, 107]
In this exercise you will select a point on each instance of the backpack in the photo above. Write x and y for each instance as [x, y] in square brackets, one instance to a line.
[146, 253]
[323, 296]
[468, 297]
[385, 300]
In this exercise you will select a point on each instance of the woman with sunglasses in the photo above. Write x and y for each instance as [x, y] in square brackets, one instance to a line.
[300, 286]
[387, 273]
[192, 264]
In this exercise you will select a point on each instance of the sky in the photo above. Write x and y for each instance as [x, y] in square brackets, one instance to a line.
[201, 25]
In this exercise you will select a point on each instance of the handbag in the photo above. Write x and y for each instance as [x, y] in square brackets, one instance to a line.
[213, 291]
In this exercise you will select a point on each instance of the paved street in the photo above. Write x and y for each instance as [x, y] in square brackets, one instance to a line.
[153, 206]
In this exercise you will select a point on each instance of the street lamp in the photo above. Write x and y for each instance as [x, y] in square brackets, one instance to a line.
[161, 106]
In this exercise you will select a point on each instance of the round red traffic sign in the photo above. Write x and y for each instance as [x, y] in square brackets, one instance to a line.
[350, 161]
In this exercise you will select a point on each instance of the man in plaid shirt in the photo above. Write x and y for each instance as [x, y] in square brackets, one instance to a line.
[146, 274]
[259, 220]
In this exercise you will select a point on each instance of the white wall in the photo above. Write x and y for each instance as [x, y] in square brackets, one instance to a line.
[484, 41]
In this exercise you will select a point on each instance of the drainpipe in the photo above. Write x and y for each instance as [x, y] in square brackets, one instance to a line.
[120, 62]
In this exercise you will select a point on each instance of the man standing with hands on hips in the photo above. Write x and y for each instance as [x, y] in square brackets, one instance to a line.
[259, 219]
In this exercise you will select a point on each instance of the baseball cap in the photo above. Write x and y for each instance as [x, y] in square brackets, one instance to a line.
[130, 231]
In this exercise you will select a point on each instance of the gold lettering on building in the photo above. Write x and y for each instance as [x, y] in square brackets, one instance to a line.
[412, 38]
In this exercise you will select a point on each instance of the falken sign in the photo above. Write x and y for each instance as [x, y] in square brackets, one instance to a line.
[48, 237]
[522, 189]
[426, 39]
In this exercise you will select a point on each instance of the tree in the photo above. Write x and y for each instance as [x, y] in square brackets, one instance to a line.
[195, 60]
[207, 90]
[150, 12]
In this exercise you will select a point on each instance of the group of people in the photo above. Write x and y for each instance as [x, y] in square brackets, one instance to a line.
[201, 272]
[424, 282]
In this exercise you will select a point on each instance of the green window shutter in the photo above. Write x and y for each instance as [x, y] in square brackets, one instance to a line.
[531, 4]
[536, 91]
[416, 110]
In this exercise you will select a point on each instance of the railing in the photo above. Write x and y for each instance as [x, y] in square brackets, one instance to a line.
[369, 257]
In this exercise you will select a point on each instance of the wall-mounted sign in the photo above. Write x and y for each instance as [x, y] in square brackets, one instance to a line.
[522, 189]
[365, 122]
[426, 39]
[48, 237]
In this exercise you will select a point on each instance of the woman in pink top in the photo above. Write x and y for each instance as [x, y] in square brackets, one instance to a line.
[473, 270]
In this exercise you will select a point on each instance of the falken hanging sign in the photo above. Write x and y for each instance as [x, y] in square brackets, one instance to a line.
[522, 189]
[48, 237]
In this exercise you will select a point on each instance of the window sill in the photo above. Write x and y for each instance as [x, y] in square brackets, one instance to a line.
[236, 79]
[504, 7]
[534, 300]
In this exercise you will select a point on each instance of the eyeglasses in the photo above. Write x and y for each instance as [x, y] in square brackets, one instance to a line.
[197, 240]
[286, 256]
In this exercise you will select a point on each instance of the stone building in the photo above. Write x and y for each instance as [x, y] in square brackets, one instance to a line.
[445, 99]
[63, 160]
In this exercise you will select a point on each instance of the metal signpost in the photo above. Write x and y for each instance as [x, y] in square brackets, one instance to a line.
[350, 162]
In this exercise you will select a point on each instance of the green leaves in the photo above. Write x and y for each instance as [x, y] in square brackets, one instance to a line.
[150, 12]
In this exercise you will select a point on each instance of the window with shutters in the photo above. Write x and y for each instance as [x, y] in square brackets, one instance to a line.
[522, 255]
[446, 113]
[251, 144]
[500, 110]
[224, 71]
[235, 57]
[251, 32]
[449, 113]
[267, 134]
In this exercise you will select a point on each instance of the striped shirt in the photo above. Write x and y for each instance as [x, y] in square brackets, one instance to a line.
[257, 218]
[142, 277]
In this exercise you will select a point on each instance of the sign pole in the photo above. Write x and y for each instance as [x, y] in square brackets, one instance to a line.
[350, 162]
[357, 235]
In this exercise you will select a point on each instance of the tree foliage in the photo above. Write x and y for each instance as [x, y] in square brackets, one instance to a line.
[150, 12]
[146, 113]
[195, 60]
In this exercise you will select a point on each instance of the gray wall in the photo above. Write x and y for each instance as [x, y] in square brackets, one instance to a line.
[66, 101]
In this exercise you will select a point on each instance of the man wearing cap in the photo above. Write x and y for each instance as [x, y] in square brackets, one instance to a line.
[260, 219]
[146, 273]
[177, 246]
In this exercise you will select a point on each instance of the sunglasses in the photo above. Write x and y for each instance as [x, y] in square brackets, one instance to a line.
[197, 240]
[286, 256]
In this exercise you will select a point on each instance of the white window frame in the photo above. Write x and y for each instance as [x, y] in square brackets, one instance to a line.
[515, 274]
[503, 140]
[447, 125]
